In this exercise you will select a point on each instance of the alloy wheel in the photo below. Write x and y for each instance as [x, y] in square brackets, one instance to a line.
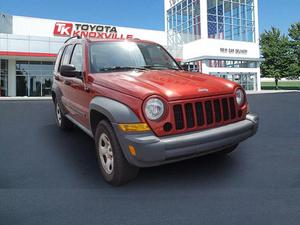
[106, 153]
[58, 115]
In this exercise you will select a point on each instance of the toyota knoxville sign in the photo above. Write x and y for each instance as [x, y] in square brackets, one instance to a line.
[88, 30]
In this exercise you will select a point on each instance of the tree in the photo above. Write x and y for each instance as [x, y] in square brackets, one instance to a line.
[278, 55]
[294, 33]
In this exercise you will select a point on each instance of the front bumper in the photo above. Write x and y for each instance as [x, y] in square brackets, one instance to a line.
[152, 150]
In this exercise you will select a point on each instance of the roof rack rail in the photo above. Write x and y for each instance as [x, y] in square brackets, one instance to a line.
[77, 36]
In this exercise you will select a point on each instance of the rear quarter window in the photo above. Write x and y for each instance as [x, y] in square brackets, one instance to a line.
[57, 61]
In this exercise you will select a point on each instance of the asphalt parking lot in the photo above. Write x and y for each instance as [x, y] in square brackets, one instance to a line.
[51, 177]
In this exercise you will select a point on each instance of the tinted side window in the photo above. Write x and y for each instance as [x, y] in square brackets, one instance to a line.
[66, 55]
[77, 57]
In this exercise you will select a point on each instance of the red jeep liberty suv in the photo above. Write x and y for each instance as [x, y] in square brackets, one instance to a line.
[142, 109]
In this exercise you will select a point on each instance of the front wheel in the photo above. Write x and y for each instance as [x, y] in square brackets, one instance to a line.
[113, 165]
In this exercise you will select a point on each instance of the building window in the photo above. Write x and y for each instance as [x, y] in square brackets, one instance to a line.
[3, 77]
[194, 66]
[246, 80]
[34, 78]
[231, 20]
[183, 23]
[231, 64]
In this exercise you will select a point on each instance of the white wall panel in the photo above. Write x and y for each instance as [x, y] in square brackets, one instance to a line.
[39, 46]
[45, 27]
[17, 43]
[212, 47]
[3, 42]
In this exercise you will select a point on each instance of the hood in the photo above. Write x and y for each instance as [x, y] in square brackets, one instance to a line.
[169, 84]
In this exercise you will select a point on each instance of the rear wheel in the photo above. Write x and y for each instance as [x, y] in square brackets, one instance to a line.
[61, 120]
[113, 165]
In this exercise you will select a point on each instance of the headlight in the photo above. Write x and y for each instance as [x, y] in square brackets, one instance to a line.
[154, 109]
[240, 97]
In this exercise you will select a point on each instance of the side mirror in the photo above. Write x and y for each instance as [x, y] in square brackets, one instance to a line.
[68, 70]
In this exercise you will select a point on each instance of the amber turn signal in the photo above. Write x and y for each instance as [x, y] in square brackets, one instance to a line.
[134, 127]
[132, 150]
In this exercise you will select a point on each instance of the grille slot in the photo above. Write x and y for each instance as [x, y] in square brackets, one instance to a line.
[178, 114]
[225, 109]
[205, 113]
[200, 114]
[232, 108]
[189, 115]
[217, 108]
[209, 112]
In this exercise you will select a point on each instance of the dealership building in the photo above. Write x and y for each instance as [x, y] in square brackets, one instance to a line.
[216, 37]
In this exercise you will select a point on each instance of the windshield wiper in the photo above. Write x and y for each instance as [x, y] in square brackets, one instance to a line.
[146, 67]
[117, 68]
[157, 66]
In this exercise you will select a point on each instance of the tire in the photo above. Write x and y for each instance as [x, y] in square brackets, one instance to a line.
[62, 122]
[114, 167]
[227, 150]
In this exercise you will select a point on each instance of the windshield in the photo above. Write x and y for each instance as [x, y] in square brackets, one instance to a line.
[125, 55]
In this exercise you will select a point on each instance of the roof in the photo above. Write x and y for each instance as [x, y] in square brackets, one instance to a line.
[119, 40]
[75, 38]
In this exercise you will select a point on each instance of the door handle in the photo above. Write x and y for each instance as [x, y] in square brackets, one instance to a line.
[56, 77]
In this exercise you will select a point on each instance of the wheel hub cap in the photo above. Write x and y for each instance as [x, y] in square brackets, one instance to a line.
[58, 114]
[106, 153]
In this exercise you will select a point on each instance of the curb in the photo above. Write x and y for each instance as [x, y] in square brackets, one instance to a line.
[271, 92]
[25, 98]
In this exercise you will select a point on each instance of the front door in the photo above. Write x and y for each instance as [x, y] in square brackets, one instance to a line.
[79, 99]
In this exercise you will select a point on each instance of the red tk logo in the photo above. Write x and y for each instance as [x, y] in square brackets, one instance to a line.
[63, 29]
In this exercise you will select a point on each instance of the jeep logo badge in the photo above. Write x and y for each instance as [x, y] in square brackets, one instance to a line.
[202, 90]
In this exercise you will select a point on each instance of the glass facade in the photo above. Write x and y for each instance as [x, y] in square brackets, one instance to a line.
[34, 78]
[231, 20]
[231, 64]
[183, 22]
[246, 80]
[3, 77]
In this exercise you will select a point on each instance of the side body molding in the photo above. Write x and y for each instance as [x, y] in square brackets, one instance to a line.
[115, 111]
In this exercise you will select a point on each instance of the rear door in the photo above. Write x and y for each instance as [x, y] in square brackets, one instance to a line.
[64, 82]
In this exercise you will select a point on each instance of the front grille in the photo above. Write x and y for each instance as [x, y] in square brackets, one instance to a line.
[204, 113]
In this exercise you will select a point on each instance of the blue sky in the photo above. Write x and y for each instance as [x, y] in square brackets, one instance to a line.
[137, 13]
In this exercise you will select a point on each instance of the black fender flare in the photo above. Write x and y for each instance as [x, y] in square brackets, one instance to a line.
[115, 111]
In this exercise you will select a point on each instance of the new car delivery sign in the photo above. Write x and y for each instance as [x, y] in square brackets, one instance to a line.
[88, 30]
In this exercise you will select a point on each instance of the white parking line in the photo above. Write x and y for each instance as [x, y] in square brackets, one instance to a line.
[271, 92]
